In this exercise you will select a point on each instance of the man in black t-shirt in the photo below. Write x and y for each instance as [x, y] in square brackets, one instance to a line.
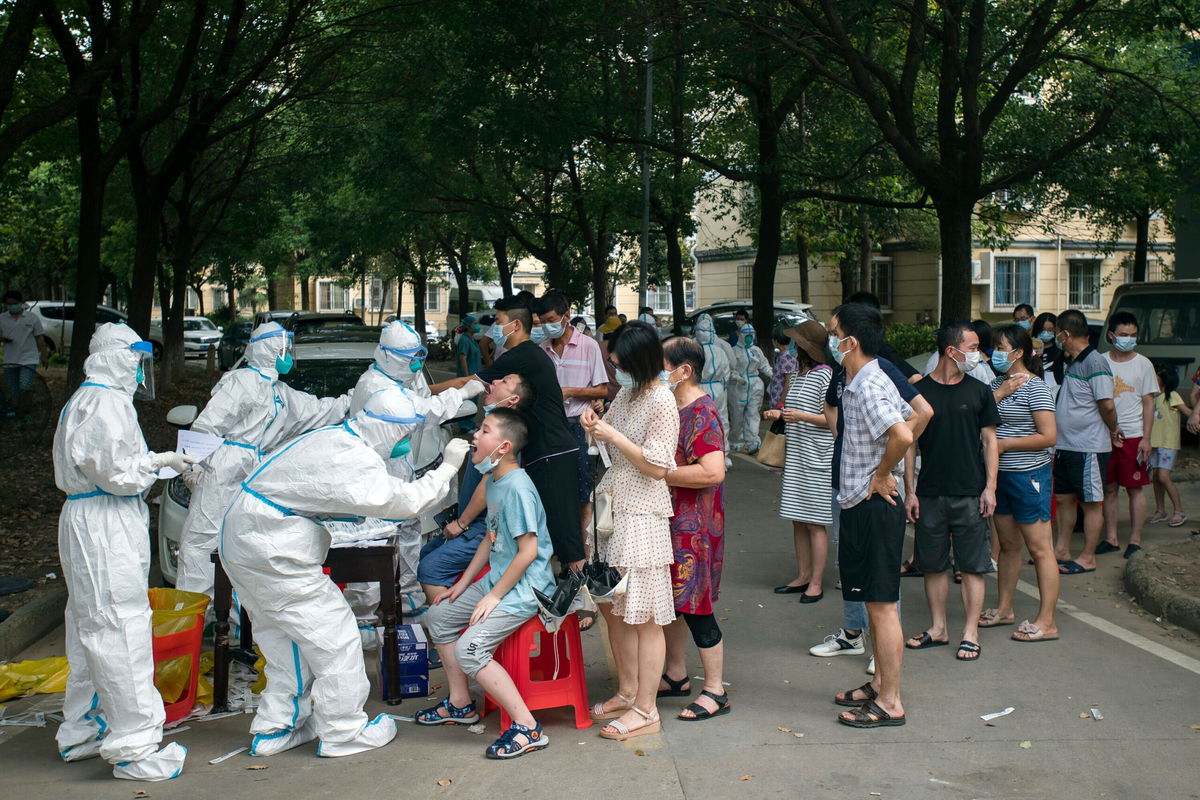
[956, 490]
[550, 455]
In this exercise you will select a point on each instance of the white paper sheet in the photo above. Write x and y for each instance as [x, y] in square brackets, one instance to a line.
[195, 444]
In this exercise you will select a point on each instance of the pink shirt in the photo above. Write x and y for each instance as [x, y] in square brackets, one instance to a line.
[581, 366]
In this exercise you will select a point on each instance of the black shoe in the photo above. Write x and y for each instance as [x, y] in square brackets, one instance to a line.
[1133, 548]
[785, 589]
[812, 598]
[1107, 547]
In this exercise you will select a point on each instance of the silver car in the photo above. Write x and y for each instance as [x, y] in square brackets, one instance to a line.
[326, 366]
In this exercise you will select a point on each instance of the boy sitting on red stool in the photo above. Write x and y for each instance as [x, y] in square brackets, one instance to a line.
[517, 548]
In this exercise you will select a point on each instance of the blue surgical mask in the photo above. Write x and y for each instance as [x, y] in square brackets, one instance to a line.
[1000, 361]
[1024, 323]
[401, 448]
[496, 334]
[624, 379]
[488, 464]
[538, 335]
[1125, 343]
[283, 363]
[1046, 336]
[834, 343]
[552, 330]
[16, 308]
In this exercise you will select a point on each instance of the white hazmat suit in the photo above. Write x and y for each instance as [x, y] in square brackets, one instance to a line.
[398, 361]
[112, 708]
[273, 545]
[254, 412]
[745, 402]
[717, 367]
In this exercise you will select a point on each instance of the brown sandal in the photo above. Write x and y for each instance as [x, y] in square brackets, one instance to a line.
[870, 715]
[845, 699]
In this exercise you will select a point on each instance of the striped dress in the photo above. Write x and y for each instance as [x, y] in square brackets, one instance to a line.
[806, 492]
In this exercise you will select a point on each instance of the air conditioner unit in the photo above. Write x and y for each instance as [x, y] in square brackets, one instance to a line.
[981, 269]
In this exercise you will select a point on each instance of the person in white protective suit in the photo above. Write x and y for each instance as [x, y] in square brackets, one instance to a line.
[398, 362]
[717, 365]
[273, 545]
[112, 708]
[745, 402]
[254, 412]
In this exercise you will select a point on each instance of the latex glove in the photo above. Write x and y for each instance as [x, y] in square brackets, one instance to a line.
[473, 389]
[179, 462]
[455, 453]
[191, 478]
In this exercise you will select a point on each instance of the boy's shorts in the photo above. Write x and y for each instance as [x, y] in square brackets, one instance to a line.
[1163, 458]
[1124, 469]
[952, 519]
[1080, 474]
[1024, 494]
[443, 560]
[475, 646]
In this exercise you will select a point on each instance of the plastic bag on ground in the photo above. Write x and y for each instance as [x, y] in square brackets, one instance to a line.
[45, 676]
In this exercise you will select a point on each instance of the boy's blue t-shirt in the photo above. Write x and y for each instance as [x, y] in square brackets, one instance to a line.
[514, 509]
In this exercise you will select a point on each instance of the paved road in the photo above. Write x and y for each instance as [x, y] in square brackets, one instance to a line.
[1144, 676]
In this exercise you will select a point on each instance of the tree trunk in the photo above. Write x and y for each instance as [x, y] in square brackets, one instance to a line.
[1141, 247]
[420, 280]
[269, 274]
[766, 257]
[93, 179]
[148, 212]
[954, 231]
[802, 265]
[464, 294]
[304, 303]
[231, 299]
[198, 289]
[500, 251]
[675, 270]
[864, 251]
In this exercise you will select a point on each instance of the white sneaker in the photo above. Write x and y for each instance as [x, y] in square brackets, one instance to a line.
[839, 644]
[871, 666]
[376, 733]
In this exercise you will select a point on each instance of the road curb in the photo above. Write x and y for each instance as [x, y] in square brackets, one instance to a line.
[1148, 579]
[31, 622]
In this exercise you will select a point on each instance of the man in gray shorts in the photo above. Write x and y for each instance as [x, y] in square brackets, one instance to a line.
[956, 490]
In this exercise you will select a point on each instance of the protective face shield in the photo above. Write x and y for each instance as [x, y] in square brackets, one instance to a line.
[387, 420]
[145, 370]
[705, 332]
[400, 353]
[747, 336]
[271, 347]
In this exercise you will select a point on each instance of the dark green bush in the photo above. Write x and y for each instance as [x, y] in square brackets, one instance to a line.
[911, 339]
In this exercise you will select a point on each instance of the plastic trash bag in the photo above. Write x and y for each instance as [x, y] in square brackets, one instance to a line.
[174, 611]
[46, 676]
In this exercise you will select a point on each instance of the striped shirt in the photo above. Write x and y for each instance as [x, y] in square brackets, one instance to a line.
[871, 406]
[1016, 421]
[581, 366]
[1086, 381]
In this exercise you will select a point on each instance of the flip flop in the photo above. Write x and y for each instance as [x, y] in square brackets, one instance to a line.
[870, 715]
[925, 641]
[1073, 568]
[1107, 547]
[844, 698]
[969, 647]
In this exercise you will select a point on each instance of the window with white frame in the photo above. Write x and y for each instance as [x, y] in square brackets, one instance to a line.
[433, 297]
[193, 299]
[1083, 286]
[745, 280]
[1013, 281]
[219, 298]
[659, 297]
[380, 299]
[330, 296]
[881, 281]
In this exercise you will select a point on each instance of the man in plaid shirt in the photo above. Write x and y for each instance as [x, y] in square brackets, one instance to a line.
[876, 438]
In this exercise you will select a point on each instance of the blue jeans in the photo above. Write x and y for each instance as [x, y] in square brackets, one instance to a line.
[854, 614]
[18, 379]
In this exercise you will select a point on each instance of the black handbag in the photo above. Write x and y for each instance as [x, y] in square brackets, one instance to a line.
[602, 579]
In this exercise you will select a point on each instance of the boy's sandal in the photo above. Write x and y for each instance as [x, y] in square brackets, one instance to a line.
[700, 712]
[1157, 516]
[675, 688]
[846, 699]
[506, 746]
[870, 715]
[466, 715]
[600, 715]
[1177, 519]
[653, 725]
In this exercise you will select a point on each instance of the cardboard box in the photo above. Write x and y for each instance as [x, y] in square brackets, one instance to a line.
[414, 661]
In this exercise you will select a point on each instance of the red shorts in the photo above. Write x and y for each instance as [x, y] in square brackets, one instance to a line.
[1123, 467]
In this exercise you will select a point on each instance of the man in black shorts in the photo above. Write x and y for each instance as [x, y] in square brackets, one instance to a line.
[550, 457]
[875, 438]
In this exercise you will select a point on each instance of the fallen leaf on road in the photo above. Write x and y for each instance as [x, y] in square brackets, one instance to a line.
[786, 730]
[787, 681]
[139, 794]
[444, 782]
[1084, 715]
[1025, 745]
[798, 735]
[1196, 727]
[723, 619]
[258, 766]
[639, 752]
[745, 777]
[875, 794]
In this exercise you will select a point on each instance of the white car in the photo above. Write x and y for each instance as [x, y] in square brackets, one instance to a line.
[58, 323]
[431, 331]
[327, 365]
[199, 333]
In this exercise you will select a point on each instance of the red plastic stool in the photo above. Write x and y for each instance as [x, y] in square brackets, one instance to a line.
[179, 645]
[552, 678]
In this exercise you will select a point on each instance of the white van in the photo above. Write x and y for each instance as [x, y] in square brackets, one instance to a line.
[1168, 314]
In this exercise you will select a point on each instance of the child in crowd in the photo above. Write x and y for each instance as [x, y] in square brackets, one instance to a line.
[1164, 438]
[517, 550]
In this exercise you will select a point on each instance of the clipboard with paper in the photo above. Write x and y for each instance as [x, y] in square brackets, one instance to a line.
[195, 444]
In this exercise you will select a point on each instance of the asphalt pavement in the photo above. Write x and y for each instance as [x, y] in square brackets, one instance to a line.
[781, 739]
